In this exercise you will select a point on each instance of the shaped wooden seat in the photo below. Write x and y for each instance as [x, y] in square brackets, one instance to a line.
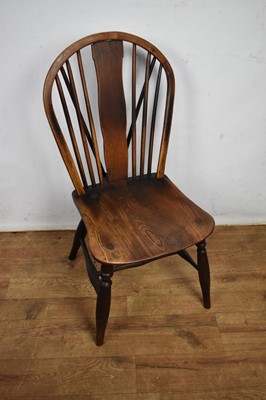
[115, 150]
[140, 220]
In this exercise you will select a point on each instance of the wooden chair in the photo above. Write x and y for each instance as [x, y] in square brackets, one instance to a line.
[109, 101]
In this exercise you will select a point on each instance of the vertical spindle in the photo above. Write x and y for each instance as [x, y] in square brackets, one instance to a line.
[154, 111]
[90, 117]
[134, 110]
[144, 115]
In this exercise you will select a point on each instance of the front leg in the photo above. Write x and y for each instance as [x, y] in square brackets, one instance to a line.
[103, 302]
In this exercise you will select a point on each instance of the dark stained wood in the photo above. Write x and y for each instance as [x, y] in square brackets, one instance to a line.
[144, 116]
[80, 122]
[108, 58]
[103, 302]
[133, 112]
[69, 87]
[155, 104]
[186, 256]
[80, 233]
[166, 127]
[58, 65]
[151, 219]
[94, 144]
[129, 222]
[204, 273]
[71, 131]
[91, 268]
[140, 100]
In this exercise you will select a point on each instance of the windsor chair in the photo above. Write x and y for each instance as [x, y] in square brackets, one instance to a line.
[109, 101]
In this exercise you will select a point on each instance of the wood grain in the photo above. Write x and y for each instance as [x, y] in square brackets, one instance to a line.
[141, 220]
[128, 222]
[200, 372]
[108, 57]
[107, 52]
[242, 330]
[161, 344]
[77, 376]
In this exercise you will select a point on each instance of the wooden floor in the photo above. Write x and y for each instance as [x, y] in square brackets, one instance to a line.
[161, 344]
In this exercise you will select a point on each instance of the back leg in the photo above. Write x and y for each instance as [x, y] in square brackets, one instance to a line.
[204, 273]
[80, 233]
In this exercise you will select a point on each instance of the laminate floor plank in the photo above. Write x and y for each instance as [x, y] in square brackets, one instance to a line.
[41, 267]
[130, 336]
[208, 371]
[257, 393]
[161, 344]
[165, 303]
[246, 330]
[4, 284]
[54, 287]
[56, 308]
[75, 376]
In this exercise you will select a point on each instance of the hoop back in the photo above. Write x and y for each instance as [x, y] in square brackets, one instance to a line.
[125, 132]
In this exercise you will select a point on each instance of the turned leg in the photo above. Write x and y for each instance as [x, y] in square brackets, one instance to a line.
[103, 302]
[204, 273]
[79, 234]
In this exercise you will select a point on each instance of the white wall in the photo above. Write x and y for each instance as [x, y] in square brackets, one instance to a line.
[218, 146]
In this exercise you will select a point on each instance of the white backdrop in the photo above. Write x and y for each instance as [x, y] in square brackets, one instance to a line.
[217, 152]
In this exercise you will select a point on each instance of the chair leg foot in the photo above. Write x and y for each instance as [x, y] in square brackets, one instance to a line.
[103, 303]
[204, 273]
[79, 234]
